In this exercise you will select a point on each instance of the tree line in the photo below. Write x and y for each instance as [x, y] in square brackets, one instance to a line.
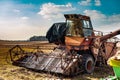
[38, 38]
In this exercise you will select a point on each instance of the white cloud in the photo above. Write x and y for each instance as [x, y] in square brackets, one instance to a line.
[16, 10]
[97, 2]
[114, 18]
[109, 27]
[94, 14]
[98, 16]
[85, 2]
[102, 22]
[51, 10]
[18, 29]
[89, 2]
[24, 18]
[20, 22]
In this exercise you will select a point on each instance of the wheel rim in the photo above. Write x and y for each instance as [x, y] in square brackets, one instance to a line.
[89, 65]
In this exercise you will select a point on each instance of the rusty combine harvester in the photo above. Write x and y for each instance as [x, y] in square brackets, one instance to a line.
[80, 48]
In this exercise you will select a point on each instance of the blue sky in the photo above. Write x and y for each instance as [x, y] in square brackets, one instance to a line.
[21, 19]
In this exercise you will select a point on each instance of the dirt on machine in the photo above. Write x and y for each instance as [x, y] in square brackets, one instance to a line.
[79, 48]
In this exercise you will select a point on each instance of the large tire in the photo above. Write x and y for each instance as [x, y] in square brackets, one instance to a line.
[88, 63]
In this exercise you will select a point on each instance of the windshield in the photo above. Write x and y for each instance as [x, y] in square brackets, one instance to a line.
[74, 28]
[86, 24]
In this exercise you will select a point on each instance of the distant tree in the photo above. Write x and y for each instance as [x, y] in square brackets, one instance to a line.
[38, 38]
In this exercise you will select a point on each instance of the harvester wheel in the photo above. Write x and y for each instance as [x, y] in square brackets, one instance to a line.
[16, 53]
[87, 63]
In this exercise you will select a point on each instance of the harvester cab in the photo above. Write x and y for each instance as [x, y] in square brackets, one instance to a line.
[78, 25]
[79, 28]
[78, 48]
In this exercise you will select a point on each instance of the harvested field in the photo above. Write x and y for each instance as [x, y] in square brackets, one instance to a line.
[11, 72]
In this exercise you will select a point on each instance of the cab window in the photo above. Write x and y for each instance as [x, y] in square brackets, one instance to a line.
[74, 28]
[86, 24]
